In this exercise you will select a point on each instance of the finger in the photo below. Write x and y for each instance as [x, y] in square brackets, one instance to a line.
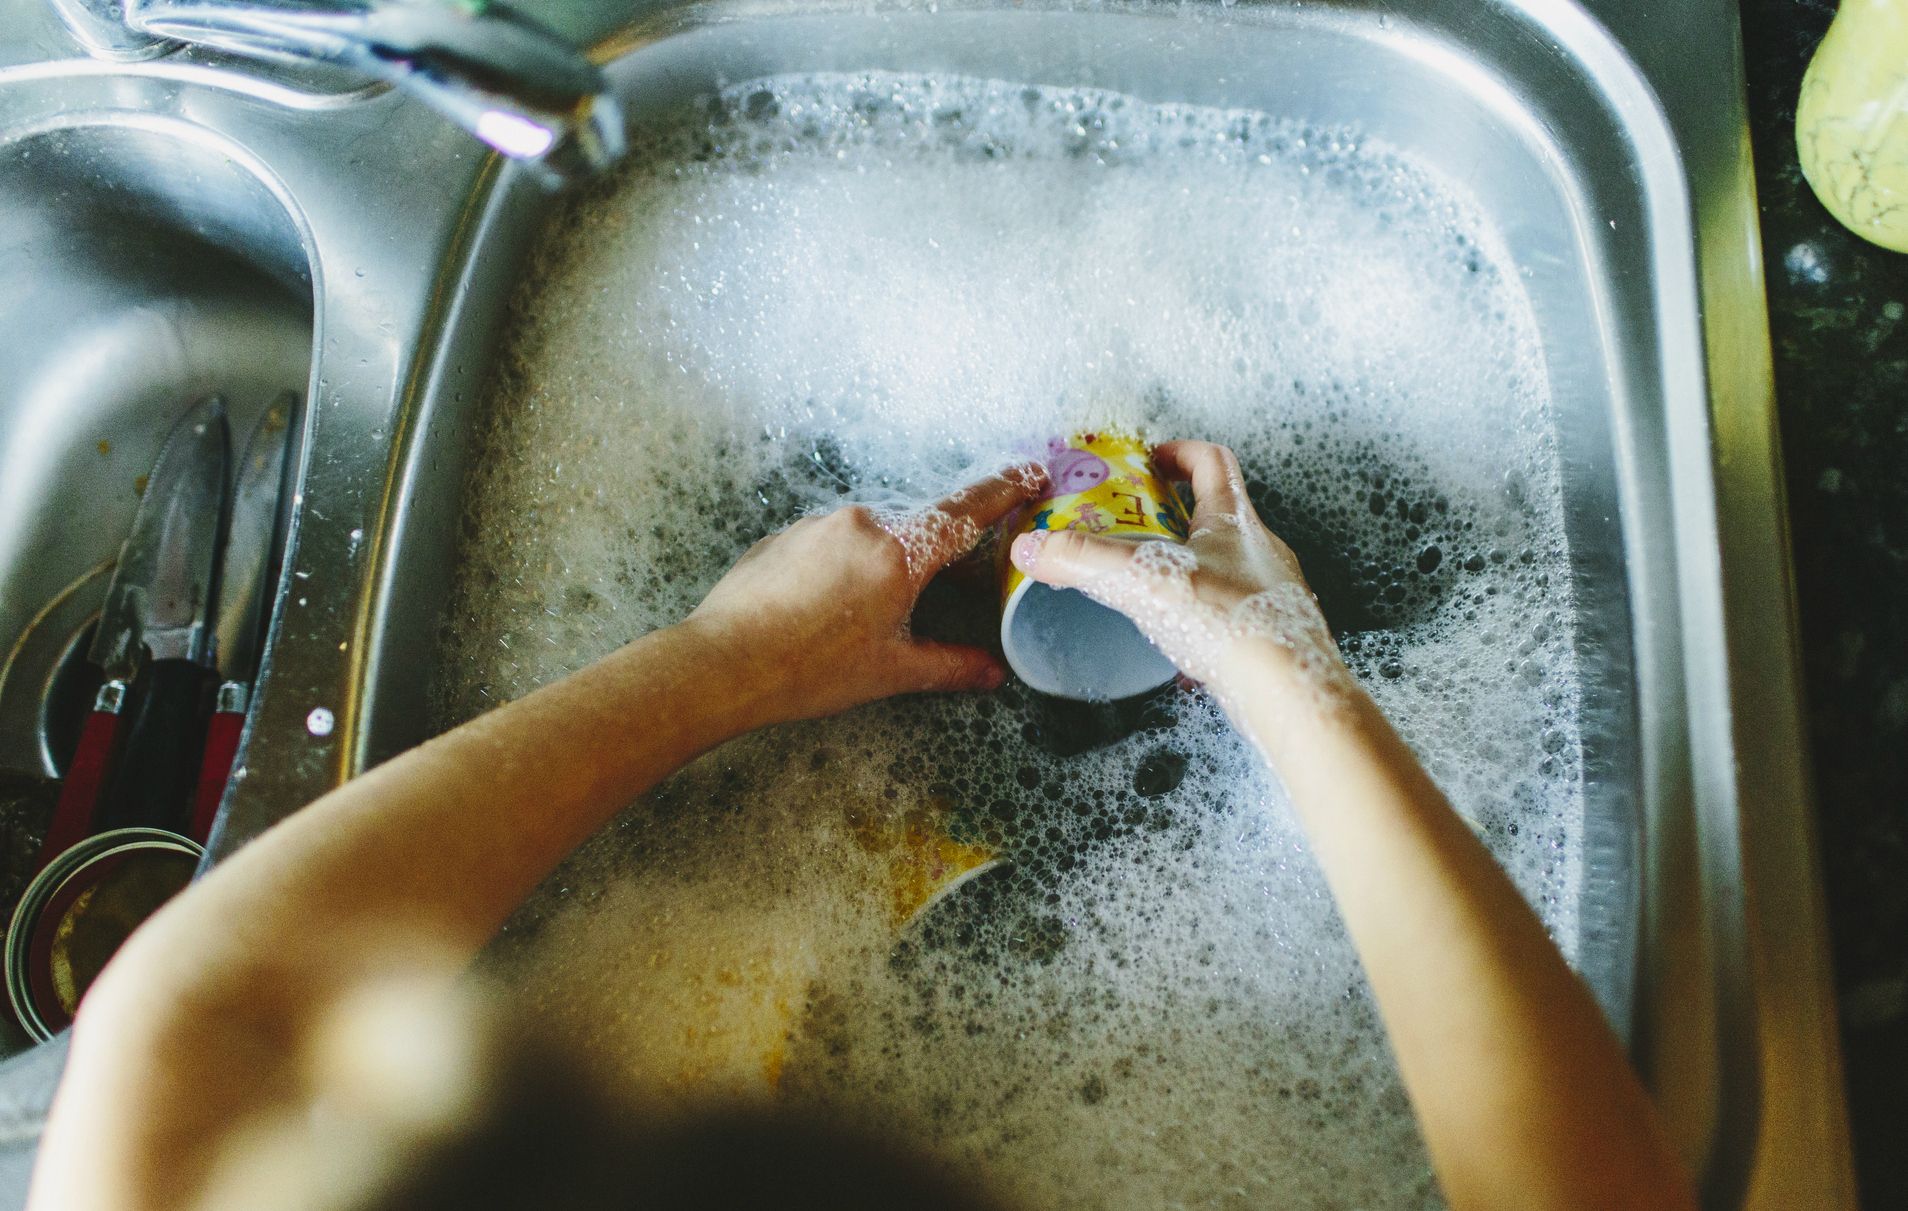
[934, 537]
[984, 503]
[929, 540]
[929, 667]
[1069, 558]
[1218, 484]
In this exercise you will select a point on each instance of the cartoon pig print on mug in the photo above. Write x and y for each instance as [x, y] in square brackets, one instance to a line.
[1072, 469]
[1059, 641]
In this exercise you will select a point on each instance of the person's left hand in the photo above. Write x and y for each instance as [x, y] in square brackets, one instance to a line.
[816, 617]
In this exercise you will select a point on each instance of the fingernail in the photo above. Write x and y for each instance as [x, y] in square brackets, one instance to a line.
[993, 677]
[1026, 549]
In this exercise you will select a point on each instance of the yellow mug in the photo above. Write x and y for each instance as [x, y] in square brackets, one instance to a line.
[1060, 641]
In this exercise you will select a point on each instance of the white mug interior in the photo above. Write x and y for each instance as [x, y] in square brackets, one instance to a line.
[1064, 643]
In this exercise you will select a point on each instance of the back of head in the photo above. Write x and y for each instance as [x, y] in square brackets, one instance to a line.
[420, 1093]
[548, 1139]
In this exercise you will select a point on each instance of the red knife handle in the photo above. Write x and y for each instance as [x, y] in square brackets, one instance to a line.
[80, 791]
[158, 765]
[221, 749]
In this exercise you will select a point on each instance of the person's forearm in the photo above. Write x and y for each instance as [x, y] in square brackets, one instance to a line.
[423, 858]
[204, 1018]
[199, 1020]
[1524, 1095]
[447, 839]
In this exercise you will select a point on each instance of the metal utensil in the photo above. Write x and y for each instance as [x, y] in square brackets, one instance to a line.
[494, 70]
[165, 584]
[244, 591]
[79, 909]
[158, 590]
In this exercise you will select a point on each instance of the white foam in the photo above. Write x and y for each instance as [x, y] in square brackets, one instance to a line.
[930, 537]
[872, 289]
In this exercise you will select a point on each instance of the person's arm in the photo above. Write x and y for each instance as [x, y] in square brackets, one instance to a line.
[1523, 1094]
[194, 1026]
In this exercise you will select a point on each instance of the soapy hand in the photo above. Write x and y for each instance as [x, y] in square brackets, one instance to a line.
[1234, 582]
[816, 617]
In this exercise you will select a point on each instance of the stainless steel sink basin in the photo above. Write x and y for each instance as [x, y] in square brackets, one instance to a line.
[141, 267]
[1607, 143]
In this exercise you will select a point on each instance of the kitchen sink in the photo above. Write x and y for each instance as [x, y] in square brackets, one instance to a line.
[193, 225]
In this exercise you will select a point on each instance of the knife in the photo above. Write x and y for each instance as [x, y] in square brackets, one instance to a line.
[164, 584]
[163, 566]
[245, 590]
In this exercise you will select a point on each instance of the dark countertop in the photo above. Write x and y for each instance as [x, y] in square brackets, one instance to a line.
[1838, 318]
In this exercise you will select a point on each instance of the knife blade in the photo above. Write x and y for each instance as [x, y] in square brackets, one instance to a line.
[245, 589]
[144, 605]
[158, 600]
[165, 584]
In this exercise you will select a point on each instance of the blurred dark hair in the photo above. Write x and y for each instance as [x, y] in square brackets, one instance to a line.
[549, 1139]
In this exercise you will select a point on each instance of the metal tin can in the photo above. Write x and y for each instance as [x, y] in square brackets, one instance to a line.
[77, 911]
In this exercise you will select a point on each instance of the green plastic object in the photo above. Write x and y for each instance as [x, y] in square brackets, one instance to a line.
[1851, 121]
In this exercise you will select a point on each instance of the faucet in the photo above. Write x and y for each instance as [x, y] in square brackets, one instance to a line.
[499, 74]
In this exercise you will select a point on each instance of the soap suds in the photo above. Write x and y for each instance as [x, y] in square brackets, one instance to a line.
[930, 537]
[873, 289]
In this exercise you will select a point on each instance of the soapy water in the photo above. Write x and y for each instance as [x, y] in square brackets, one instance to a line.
[875, 288]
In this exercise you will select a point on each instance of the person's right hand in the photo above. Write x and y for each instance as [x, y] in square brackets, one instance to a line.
[814, 619]
[1233, 584]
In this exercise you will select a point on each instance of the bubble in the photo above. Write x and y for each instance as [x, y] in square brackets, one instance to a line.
[1287, 618]
[1159, 773]
[873, 289]
[930, 538]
